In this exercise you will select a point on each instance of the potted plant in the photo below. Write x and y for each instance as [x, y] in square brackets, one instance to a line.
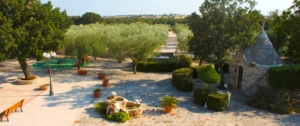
[168, 102]
[97, 92]
[81, 71]
[44, 86]
[101, 76]
[105, 82]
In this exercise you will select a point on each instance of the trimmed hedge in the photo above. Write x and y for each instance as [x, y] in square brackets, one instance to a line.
[196, 70]
[184, 61]
[200, 96]
[153, 66]
[285, 77]
[208, 75]
[182, 79]
[217, 102]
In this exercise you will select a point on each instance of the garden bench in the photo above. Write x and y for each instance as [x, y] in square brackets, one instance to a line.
[11, 109]
[59, 61]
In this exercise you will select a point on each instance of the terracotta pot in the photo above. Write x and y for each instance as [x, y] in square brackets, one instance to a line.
[97, 94]
[43, 87]
[101, 76]
[105, 83]
[82, 72]
[168, 109]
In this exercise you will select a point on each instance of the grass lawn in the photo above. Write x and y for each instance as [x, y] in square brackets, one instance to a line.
[65, 64]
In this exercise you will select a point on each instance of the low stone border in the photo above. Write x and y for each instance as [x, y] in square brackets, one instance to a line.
[27, 82]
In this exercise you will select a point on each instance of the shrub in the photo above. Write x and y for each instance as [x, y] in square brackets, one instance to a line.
[120, 117]
[169, 101]
[285, 77]
[101, 107]
[217, 102]
[270, 100]
[208, 75]
[196, 70]
[182, 79]
[152, 66]
[184, 61]
[200, 96]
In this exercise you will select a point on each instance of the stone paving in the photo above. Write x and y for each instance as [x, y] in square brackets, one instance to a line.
[150, 87]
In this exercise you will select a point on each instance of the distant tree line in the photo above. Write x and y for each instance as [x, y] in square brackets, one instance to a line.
[90, 17]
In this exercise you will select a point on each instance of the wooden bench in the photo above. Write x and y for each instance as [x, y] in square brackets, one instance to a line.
[11, 109]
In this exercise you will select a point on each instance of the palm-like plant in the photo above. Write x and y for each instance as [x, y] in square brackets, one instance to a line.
[169, 101]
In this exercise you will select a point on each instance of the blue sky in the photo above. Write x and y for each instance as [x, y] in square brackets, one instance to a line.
[134, 7]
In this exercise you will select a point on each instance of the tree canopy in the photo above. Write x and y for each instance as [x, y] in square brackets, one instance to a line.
[226, 25]
[287, 32]
[28, 28]
[136, 41]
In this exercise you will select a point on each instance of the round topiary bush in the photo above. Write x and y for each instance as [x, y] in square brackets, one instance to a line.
[182, 79]
[200, 96]
[208, 75]
[217, 102]
[196, 69]
[184, 61]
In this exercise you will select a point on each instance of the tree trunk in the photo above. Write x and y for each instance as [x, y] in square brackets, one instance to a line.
[291, 95]
[24, 67]
[79, 63]
[134, 68]
[95, 58]
[222, 77]
[200, 62]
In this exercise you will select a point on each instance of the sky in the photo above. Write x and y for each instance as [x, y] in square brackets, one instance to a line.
[136, 7]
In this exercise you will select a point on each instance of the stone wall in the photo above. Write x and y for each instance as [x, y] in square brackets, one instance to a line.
[251, 78]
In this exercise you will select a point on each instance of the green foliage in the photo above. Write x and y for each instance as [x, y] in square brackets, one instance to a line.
[184, 61]
[97, 89]
[199, 45]
[145, 66]
[183, 35]
[30, 28]
[101, 107]
[285, 77]
[119, 117]
[169, 101]
[285, 27]
[196, 70]
[225, 67]
[208, 75]
[151, 21]
[200, 96]
[297, 110]
[267, 99]
[89, 18]
[217, 102]
[224, 26]
[182, 79]
[136, 41]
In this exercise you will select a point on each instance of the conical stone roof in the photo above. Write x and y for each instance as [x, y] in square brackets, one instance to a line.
[263, 52]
